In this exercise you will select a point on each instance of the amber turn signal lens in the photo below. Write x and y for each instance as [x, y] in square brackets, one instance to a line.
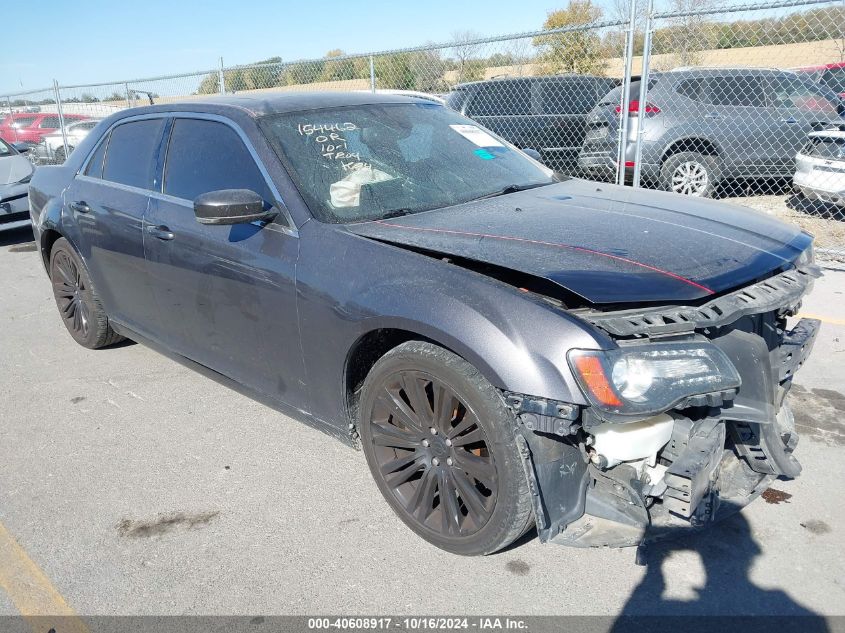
[593, 375]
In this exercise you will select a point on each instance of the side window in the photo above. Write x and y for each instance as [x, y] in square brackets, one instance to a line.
[22, 122]
[131, 158]
[50, 122]
[737, 91]
[95, 165]
[206, 156]
[501, 99]
[692, 89]
[788, 91]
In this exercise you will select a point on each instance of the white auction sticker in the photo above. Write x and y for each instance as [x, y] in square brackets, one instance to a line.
[476, 135]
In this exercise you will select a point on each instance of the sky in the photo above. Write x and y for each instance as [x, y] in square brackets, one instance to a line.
[82, 41]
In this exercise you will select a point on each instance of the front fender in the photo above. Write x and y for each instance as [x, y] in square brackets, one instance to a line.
[349, 286]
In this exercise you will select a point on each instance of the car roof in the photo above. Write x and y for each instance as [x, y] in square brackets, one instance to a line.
[545, 78]
[262, 104]
[822, 66]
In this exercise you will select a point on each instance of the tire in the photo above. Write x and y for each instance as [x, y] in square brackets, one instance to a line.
[468, 450]
[77, 301]
[59, 155]
[690, 173]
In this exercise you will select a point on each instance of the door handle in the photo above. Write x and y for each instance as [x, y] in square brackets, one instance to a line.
[713, 117]
[80, 206]
[789, 120]
[161, 232]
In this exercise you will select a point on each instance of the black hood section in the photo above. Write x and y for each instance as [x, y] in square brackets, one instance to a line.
[605, 243]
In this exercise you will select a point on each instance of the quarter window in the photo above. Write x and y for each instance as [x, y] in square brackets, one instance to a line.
[95, 165]
[208, 156]
[132, 153]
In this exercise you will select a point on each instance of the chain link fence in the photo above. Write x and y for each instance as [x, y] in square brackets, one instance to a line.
[738, 102]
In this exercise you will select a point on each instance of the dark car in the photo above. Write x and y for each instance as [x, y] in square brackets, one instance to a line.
[701, 127]
[547, 114]
[508, 350]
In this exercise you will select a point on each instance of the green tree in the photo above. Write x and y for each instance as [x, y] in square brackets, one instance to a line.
[576, 51]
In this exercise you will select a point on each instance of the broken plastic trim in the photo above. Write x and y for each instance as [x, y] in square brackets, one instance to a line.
[781, 291]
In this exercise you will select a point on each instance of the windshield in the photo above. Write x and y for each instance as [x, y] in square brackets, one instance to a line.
[370, 162]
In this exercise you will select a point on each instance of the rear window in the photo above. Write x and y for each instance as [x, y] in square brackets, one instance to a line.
[826, 148]
[506, 98]
[132, 152]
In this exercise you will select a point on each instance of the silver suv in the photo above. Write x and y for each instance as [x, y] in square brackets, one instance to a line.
[703, 126]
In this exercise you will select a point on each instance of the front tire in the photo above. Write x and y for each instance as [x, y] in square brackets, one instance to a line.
[77, 301]
[439, 442]
[690, 174]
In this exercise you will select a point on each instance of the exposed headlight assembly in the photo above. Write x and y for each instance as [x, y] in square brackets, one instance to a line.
[648, 379]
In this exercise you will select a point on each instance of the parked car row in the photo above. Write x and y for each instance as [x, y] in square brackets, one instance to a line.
[31, 127]
[699, 128]
[51, 149]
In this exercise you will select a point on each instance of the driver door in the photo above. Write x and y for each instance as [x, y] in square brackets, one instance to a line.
[226, 293]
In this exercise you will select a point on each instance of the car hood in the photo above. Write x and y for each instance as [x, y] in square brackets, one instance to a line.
[606, 243]
[14, 169]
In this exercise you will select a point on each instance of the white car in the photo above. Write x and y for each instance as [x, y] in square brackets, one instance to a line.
[51, 149]
[15, 173]
[820, 166]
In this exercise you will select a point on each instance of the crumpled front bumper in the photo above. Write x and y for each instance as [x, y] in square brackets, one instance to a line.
[718, 459]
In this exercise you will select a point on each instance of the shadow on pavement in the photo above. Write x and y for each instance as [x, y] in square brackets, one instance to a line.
[13, 237]
[727, 551]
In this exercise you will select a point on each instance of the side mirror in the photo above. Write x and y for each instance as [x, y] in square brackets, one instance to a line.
[230, 206]
[533, 153]
[23, 148]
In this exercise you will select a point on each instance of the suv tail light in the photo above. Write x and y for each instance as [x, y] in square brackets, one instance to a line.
[634, 109]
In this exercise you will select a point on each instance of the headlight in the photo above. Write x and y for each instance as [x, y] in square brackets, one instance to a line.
[649, 379]
[806, 257]
[25, 180]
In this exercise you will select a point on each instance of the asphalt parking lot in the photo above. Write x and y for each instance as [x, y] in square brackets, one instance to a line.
[130, 485]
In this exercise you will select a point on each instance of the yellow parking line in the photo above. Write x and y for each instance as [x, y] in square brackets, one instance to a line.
[31, 591]
[823, 319]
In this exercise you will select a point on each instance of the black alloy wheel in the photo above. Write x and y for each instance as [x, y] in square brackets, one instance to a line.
[440, 459]
[77, 301]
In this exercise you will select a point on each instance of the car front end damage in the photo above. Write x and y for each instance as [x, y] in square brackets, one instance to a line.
[686, 423]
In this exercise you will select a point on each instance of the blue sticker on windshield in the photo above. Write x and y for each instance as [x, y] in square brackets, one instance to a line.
[484, 154]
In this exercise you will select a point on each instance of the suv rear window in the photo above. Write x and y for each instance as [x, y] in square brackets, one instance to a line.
[132, 153]
[501, 99]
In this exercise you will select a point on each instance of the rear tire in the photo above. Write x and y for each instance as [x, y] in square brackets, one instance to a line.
[77, 301]
[439, 442]
[691, 174]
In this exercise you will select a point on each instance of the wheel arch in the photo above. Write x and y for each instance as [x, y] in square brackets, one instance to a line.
[378, 341]
[698, 144]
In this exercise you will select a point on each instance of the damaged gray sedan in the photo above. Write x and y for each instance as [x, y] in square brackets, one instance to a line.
[508, 349]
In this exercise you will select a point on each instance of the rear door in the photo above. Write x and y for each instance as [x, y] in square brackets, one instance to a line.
[738, 119]
[226, 294]
[108, 199]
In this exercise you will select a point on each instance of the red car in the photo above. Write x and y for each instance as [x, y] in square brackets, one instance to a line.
[31, 127]
[830, 75]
